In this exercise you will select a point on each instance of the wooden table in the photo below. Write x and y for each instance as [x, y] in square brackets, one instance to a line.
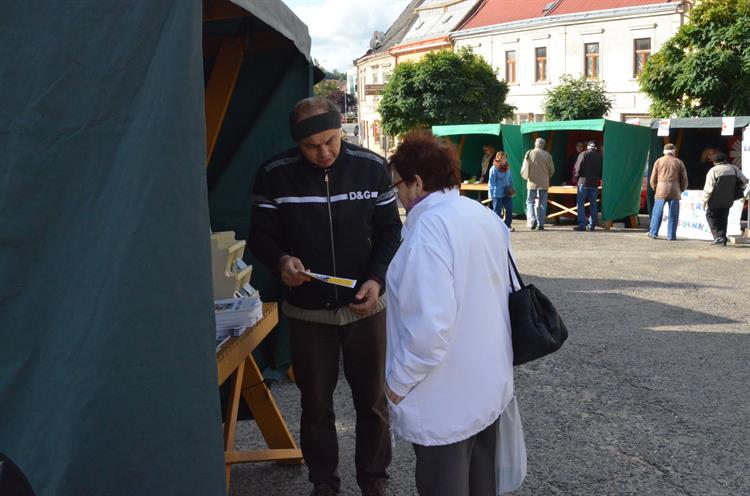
[478, 188]
[559, 209]
[475, 187]
[562, 209]
[235, 362]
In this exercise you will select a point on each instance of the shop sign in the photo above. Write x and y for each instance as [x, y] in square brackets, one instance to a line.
[692, 224]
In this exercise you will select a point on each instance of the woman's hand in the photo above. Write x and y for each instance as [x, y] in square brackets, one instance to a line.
[395, 399]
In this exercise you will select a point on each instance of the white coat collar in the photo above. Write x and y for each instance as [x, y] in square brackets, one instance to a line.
[434, 198]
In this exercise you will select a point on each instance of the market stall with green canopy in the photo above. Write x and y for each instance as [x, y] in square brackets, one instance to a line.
[698, 139]
[625, 148]
[469, 140]
[257, 65]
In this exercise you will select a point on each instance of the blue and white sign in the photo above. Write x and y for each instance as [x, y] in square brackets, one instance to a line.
[693, 225]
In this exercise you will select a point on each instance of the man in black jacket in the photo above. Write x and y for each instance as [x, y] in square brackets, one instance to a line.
[588, 173]
[329, 207]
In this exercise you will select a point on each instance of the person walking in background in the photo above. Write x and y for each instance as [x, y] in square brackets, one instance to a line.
[537, 169]
[588, 175]
[449, 365]
[718, 196]
[668, 180]
[329, 206]
[489, 155]
[501, 188]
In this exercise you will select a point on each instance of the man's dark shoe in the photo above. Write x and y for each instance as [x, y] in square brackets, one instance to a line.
[719, 241]
[540, 228]
[324, 490]
[579, 228]
[533, 227]
[377, 488]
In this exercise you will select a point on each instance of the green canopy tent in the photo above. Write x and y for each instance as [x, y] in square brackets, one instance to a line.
[697, 140]
[469, 140]
[625, 148]
[108, 366]
[107, 363]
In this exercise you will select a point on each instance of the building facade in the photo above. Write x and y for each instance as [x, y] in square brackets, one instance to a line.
[373, 70]
[423, 27]
[533, 45]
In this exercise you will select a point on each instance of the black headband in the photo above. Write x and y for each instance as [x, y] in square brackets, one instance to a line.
[315, 124]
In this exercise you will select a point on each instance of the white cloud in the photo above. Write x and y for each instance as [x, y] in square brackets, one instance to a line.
[341, 29]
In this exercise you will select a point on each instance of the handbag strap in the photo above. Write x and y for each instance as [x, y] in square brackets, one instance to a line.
[511, 263]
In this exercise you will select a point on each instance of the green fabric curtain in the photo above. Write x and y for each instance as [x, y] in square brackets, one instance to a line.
[625, 154]
[464, 129]
[107, 354]
[515, 146]
[582, 125]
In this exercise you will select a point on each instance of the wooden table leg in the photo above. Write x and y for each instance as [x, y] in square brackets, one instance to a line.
[267, 415]
[230, 422]
[562, 210]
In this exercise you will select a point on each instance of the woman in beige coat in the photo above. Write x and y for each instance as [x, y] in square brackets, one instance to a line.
[668, 180]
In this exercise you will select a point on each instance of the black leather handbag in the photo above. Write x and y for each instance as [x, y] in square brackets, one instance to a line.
[536, 327]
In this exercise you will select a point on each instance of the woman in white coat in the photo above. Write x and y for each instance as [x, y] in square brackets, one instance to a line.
[449, 363]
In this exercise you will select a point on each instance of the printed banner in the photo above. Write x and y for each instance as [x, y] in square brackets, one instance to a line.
[692, 224]
[727, 126]
[663, 127]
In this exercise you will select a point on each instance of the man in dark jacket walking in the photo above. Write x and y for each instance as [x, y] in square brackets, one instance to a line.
[329, 207]
[588, 173]
[718, 196]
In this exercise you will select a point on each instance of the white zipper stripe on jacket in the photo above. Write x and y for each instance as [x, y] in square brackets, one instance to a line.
[311, 199]
[386, 202]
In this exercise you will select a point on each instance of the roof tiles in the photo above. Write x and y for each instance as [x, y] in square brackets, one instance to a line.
[503, 11]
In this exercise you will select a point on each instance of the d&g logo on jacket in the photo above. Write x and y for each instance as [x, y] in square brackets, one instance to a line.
[359, 195]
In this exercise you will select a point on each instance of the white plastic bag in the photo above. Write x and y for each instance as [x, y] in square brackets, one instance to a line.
[510, 455]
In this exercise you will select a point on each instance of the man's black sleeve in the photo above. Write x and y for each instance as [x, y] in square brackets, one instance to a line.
[386, 228]
[579, 164]
[265, 237]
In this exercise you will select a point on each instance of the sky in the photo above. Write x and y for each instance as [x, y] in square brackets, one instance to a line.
[341, 29]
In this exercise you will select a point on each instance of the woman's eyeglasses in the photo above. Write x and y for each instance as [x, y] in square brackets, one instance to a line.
[393, 185]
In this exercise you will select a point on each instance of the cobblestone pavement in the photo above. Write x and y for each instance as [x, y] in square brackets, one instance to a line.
[649, 396]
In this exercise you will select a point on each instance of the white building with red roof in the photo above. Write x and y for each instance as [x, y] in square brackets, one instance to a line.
[532, 43]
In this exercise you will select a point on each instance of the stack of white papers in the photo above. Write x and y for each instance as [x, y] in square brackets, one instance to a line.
[235, 315]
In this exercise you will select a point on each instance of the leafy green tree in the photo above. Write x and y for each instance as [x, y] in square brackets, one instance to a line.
[331, 89]
[443, 88]
[326, 88]
[704, 69]
[577, 98]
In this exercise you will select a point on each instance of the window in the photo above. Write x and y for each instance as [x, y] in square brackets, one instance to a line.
[541, 64]
[641, 53]
[386, 77]
[510, 66]
[591, 61]
[375, 76]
